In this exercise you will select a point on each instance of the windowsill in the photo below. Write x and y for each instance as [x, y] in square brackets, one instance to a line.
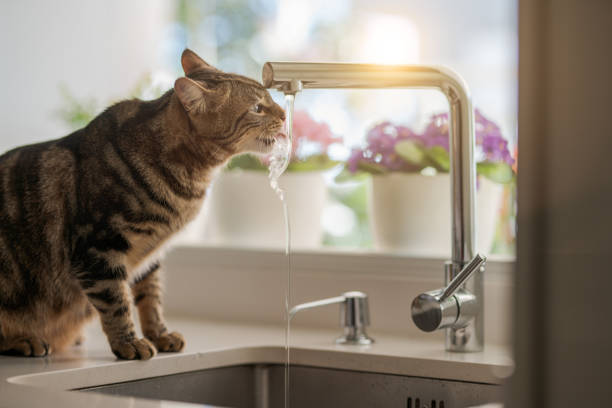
[331, 258]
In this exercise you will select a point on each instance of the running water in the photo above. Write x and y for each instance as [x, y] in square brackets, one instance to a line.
[281, 154]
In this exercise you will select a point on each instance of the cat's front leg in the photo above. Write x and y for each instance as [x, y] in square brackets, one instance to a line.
[147, 297]
[108, 291]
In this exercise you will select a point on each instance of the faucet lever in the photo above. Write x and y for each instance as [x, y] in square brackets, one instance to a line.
[462, 276]
[449, 306]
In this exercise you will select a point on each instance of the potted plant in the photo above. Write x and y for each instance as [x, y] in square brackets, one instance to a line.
[243, 210]
[409, 198]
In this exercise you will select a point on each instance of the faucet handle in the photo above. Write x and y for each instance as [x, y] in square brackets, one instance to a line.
[467, 271]
[440, 308]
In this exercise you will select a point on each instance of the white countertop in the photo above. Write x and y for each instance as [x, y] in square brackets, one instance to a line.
[34, 382]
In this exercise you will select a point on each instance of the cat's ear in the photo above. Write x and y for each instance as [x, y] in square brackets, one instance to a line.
[191, 94]
[191, 62]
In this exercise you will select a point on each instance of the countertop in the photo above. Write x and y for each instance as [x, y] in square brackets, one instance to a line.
[35, 382]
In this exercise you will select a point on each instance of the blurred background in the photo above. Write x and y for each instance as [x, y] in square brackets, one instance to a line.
[64, 62]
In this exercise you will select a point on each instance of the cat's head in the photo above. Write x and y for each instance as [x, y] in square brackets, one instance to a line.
[234, 112]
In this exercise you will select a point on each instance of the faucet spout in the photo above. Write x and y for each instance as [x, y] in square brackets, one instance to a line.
[296, 76]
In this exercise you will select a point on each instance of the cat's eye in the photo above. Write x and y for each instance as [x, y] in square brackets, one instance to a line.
[257, 108]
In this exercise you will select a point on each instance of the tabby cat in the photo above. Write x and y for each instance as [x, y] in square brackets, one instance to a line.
[82, 218]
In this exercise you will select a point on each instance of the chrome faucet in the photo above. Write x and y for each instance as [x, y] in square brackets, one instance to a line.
[463, 305]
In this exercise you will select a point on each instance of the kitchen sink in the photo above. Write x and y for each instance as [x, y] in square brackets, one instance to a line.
[262, 386]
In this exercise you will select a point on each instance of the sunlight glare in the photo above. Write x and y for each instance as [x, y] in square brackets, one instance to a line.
[389, 39]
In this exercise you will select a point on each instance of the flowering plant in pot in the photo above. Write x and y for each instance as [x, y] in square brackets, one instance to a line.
[242, 208]
[411, 211]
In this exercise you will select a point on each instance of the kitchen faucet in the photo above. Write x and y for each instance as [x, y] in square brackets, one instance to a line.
[458, 307]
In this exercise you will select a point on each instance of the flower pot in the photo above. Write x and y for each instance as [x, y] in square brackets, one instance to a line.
[411, 213]
[243, 210]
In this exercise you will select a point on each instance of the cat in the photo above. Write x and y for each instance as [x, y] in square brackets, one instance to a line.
[82, 218]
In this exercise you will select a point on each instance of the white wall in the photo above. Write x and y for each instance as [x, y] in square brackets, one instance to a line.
[97, 48]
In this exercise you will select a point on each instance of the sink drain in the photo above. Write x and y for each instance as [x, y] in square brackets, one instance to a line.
[419, 404]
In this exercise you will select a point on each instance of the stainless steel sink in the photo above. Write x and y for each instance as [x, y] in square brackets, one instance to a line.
[262, 386]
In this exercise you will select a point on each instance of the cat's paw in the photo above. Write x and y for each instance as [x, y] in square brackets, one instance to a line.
[30, 347]
[135, 349]
[169, 342]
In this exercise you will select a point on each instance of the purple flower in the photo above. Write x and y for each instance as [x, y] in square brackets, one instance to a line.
[489, 139]
[380, 149]
[354, 159]
[436, 132]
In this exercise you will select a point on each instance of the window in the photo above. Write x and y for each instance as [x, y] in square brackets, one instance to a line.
[134, 48]
[398, 211]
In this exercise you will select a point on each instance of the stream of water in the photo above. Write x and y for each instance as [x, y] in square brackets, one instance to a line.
[281, 155]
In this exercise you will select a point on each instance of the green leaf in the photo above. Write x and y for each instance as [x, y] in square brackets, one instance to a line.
[246, 162]
[345, 176]
[76, 113]
[412, 152]
[439, 157]
[312, 163]
[371, 168]
[498, 172]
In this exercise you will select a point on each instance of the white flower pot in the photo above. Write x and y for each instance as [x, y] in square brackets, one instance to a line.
[243, 210]
[411, 213]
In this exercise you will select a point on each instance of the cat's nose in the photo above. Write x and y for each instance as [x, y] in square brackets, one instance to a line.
[282, 115]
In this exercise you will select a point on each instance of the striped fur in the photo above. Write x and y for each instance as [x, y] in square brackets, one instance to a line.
[82, 218]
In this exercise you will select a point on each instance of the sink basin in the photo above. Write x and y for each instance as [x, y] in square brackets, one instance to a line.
[262, 386]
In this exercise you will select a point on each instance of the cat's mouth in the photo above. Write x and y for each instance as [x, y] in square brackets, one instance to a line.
[267, 141]
[270, 140]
